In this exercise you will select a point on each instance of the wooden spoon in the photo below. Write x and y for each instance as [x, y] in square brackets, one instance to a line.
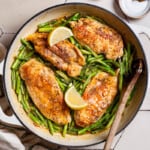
[122, 105]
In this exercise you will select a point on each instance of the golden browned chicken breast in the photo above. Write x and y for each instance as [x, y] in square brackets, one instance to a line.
[99, 94]
[99, 37]
[63, 55]
[45, 91]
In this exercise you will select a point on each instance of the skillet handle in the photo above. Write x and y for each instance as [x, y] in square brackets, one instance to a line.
[2, 55]
[4, 119]
[11, 121]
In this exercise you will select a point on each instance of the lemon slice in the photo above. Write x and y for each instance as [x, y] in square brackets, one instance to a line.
[59, 34]
[74, 100]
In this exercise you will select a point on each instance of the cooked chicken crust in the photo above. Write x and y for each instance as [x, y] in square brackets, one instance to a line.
[99, 37]
[63, 55]
[45, 91]
[99, 94]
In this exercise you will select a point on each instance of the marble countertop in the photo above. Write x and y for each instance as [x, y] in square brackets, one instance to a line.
[13, 13]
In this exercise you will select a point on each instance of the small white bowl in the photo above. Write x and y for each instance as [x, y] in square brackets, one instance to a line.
[134, 8]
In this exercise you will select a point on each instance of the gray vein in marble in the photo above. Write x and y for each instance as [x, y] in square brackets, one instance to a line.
[1, 32]
[9, 32]
[119, 139]
[143, 33]
[144, 110]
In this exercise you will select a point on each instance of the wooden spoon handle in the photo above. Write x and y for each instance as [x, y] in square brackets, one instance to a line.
[121, 107]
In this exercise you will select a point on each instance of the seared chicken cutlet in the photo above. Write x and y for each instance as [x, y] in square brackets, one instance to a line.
[99, 94]
[63, 55]
[45, 91]
[99, 37]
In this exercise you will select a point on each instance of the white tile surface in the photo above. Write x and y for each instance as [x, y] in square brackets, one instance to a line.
[101, 145]
[110, 5]
[13, 13]
[7, 38]
[136, 136]
[142, 21]
[146, 45]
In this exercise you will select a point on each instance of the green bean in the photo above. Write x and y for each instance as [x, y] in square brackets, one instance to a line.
[16, 64]
[115, 63]
[24, 101]
[45, 29]
[72, 40]
[96, 18]
[99, 57]
[74, 17]
[37, 117]
[110, 122]
[88, 79]
[63, 75]
[106, 69]
[77, 86]
[22, 88]
[13, 79]
[38, 114]
[19, 95]
[22, 47]
[27, 44]
[57, 127]
[22, 52]
[73, 130]
[25, 96]
[71, 124]
[51, 23]
[82, 131]
[85, 52]
[26, 56]
[34, 118]
[130, 63]
[90, 50]
[121, 73]
[125, 61]
[114, 104]
[45, 24]
[61, 84]
[50, 127]
[18, 82]
[128, 49]
[65, 130]
[100, 62]
[131, 96]
[79, 79]
[25, 107]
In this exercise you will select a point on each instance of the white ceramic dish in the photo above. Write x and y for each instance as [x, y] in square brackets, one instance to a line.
[134, 8]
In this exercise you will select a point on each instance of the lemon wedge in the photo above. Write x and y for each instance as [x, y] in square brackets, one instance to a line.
[59, 34]
[74, 100]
